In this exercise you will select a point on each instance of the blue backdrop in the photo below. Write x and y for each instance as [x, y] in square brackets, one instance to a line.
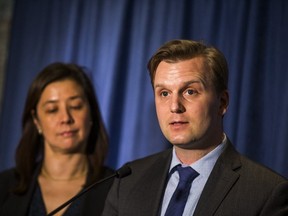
[114, 40]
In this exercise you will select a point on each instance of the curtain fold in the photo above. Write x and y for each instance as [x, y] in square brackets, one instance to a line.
[115, 39]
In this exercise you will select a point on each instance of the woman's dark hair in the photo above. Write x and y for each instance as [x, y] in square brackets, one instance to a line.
[30, 149]
[180, 50]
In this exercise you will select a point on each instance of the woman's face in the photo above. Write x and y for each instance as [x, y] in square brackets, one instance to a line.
[63, 117]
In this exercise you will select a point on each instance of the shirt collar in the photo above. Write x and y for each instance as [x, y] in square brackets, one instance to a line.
[205, 164]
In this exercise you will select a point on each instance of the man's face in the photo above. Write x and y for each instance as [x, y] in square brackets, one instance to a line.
[188, 108]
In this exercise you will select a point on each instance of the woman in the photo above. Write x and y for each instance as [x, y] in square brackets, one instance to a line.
[62, 148]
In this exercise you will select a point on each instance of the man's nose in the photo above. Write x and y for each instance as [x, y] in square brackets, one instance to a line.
[177, 105]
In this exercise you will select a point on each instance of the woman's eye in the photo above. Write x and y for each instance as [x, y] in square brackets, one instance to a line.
[51, 110]
[76, 107]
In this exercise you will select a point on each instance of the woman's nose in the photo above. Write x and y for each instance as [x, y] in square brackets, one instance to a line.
[66, 117]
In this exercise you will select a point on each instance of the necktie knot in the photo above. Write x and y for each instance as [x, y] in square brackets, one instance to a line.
[187, 174]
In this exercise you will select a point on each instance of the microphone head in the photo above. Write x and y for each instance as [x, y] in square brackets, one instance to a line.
[123, 172]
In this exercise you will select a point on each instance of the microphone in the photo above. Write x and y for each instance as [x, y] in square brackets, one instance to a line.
[120, 173]
[123, 172]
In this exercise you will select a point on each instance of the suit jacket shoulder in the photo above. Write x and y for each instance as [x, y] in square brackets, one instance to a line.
[95, 198]
[239, 186]
[141, 192]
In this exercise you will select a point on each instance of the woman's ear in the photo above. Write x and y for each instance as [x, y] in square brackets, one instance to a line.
[36, 122]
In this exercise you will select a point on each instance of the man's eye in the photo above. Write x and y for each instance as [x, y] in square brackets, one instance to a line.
[164, 94]
[191, 92]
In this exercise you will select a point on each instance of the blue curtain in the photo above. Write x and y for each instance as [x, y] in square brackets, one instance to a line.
[114, 40]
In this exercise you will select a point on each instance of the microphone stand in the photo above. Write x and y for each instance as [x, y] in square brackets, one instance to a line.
[122, 172]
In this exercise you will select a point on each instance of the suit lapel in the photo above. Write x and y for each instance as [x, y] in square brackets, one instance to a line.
[160, 177]
[220, 182]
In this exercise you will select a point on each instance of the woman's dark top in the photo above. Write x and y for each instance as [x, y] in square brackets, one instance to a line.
[31, 203]
[37, 207]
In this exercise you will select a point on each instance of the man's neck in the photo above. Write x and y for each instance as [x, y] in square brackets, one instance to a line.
[189, 156]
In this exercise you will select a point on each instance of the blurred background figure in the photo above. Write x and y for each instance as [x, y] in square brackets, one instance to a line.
[62, 148]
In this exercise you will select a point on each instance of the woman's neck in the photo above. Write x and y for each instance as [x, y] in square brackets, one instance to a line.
[64, 167]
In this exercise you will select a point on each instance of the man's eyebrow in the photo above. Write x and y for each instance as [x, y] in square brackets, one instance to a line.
[187, 83]
[158, 85]
[192, 82]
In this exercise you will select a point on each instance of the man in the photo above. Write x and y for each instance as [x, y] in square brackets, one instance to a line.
[190, 80]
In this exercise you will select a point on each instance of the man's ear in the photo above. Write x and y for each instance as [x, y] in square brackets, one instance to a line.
[224, 102]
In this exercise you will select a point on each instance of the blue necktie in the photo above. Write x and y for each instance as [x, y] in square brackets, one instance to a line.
[178, 200]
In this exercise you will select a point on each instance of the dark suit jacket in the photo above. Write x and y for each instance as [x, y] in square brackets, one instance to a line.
[18, 205]
[236, 187]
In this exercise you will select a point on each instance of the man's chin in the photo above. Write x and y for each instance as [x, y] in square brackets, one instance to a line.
[193, 146]
[189, 145]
